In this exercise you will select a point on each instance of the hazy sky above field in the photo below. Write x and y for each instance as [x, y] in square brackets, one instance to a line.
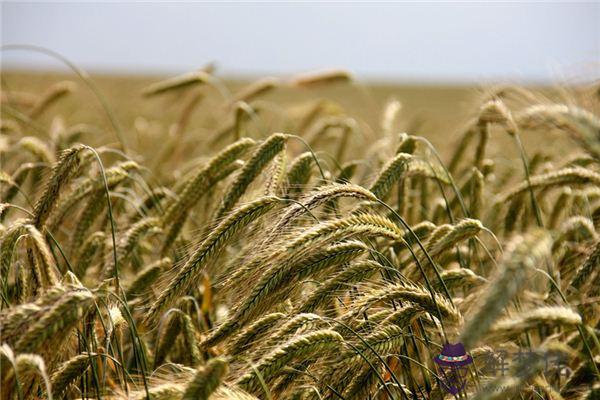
[423, 42]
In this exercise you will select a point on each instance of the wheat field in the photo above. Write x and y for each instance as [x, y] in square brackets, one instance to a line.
[301, 238]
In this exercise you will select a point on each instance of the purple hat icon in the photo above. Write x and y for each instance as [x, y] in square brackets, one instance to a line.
[453, 355]
[452, 363]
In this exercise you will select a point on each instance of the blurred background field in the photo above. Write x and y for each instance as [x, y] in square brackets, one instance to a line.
[437, 112]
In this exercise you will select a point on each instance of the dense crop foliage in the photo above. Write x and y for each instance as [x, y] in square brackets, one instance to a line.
[332, 260]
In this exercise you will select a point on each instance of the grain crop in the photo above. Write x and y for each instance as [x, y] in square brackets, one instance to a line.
[240, 246]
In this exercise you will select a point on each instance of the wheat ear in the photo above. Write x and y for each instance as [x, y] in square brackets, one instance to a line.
[321, 78]
[522, 254]
[68, 372]
[210, 247]
[298, 174]
[53, 94]
[279, 277]
[320, 197]
[62, 171]
[260, 158]
[40, 150]
[585, 271]
[566, 176]
[256, 89]
[302, 347]
[342, 280]
[61, 317]
[146, 277]
[411, 293]
[543, 316]
[42, 249]
[390, 173]
[254, 332]
[206, 380]
[197, 185]
[177, 82]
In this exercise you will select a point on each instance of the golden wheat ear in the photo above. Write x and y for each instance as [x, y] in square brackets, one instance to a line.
[210, 247]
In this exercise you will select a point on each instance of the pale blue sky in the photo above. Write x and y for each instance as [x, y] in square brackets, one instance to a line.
[424, 42]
